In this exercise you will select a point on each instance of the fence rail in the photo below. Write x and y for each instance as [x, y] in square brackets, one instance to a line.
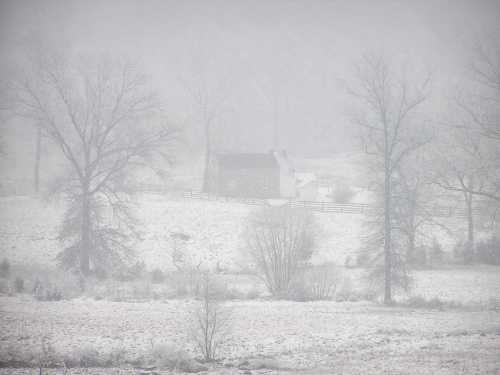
[331, 207]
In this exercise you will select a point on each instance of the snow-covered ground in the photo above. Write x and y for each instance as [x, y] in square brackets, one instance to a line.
[29, 229]
[317, 337]
[351, 337]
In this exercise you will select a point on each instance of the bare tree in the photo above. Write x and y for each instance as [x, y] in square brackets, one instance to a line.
[390, 103]
[280, 240]
[212, 321]
[459, 169]
[105, 121]
[480, 107]
[208, 100]
[414, 194]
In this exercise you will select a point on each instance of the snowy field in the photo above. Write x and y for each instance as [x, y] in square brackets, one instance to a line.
[29, 230]
[300, 338]
[316, 337]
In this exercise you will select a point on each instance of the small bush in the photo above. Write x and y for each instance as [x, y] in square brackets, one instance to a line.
[463, 252]
[488, 251]
[315, 284]
[49, 292]
[435, 303]
[211, 322]
[19, 284]
[131, 273]
[280, 242]
[436, 253]
[88, 356]
[184, 282]
[45, 356]
[168, 356]
[5, 268]
[5, 287]
[157, 276]
[141, 290]
[116, 357]
[345, 291]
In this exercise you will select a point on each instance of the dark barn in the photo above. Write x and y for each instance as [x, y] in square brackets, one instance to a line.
[247, 175]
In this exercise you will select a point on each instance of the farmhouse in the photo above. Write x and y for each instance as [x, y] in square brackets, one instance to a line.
[255, 175]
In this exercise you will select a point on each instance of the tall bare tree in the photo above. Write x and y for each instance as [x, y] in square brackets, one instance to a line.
[390, 102]
[459, 169]
[105, 121]
[481, 109]
[469, 151]
[208, 98]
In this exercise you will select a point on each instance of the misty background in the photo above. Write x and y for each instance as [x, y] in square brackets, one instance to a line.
[277, 71]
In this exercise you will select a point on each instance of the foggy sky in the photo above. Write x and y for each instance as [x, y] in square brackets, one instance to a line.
[284, 61]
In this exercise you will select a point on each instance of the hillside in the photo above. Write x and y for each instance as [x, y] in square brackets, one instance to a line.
[28, 231]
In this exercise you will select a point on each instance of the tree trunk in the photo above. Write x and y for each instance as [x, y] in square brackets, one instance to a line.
[206, 168]
[85, 233]
[469, 250]
[387, 224]
[37, 159]
[410, 254]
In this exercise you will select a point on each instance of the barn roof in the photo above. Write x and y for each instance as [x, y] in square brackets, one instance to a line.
[247, 160]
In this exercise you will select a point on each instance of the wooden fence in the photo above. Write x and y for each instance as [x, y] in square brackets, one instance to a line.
[331, 207]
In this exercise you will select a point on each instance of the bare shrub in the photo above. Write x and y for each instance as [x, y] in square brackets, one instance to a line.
[184, 281]
[419, 302]
[47, 292]
[211, 321]
[488, 251]
[5, 268]
[19, 284]
[322, 282]
[169, 356]
[45, 356]
[157, 276]
[89, 357]
[315, 283]
[280, 242]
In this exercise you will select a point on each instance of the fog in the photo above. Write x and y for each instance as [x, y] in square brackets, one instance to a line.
[281, 61]
[249, 187]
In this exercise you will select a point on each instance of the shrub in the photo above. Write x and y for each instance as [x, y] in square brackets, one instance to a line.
[488, 251]
[45, 356]
[116, 357]
[211, 321]
[88, 356]
[315, 283]
[463, 252]
[184, 282]
[345, 291]
[131, 273]
[5, 268]
[157, 276]
[141, 290]
[280, 242]
[4, 287]
[43, 292]
[19, 284]
[435, 303]
[168, 356]
[436, 253]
